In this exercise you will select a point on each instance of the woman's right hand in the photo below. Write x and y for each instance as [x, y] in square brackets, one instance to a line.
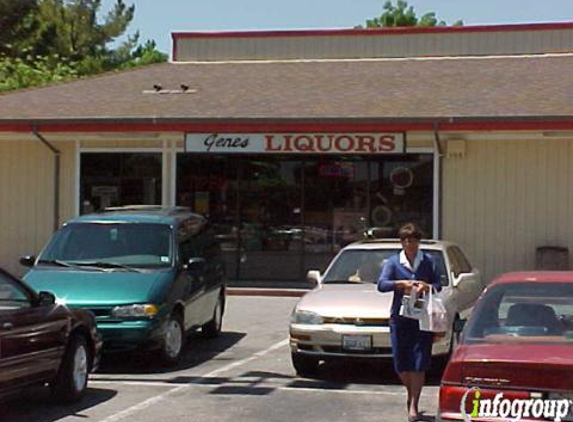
[404, 285]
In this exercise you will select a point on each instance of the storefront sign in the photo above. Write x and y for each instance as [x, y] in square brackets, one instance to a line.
[296, 143]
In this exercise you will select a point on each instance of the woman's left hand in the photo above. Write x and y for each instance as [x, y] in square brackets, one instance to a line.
[422, 287]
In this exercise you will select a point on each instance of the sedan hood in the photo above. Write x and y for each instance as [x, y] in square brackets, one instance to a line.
[85, 288]
[348, 300]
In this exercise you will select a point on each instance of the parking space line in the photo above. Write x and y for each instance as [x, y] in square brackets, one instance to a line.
[280, 388]
[150, 402]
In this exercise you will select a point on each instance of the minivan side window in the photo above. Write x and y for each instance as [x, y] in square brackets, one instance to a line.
[463, 263]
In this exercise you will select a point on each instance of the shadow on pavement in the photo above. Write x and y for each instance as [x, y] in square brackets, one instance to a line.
[197, 350]
[34, 404]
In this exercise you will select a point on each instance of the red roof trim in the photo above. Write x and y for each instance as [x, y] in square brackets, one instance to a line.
[375, 31]
[245, 127]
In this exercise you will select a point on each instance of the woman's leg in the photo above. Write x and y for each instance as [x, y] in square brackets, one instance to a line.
[417, 382]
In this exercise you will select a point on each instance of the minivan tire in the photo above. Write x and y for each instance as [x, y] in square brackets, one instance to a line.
[71, 381]
[213, 328]
[173, 340]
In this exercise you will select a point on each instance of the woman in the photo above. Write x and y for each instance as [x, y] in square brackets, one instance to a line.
[412, 349]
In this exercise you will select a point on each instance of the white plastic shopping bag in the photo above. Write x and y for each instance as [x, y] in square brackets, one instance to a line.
[435, 316]
[413, 305]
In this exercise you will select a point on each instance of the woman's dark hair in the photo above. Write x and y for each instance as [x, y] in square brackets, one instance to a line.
[409, 230]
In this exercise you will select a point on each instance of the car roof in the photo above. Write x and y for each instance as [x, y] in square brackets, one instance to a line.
[534, 277]
[140, 214]
[389, 243]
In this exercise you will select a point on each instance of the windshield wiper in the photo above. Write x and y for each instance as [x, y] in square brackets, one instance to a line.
[61, 263]
[55, 262]
[106, 264]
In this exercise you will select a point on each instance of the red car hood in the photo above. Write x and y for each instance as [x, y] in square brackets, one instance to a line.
[542, 366]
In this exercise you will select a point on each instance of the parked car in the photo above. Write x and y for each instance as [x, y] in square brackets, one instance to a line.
[518, 342]
[42, 342]
[346, 316]
[149, 274]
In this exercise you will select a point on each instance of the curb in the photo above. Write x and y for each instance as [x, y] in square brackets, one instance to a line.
[272, 292]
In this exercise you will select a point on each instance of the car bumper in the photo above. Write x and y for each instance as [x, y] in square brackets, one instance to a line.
[126, 335]
[327, 340]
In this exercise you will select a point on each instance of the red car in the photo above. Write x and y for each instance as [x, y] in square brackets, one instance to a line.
[515, 358]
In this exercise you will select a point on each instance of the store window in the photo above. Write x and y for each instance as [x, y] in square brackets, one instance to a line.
[116, 179]
[277, 216]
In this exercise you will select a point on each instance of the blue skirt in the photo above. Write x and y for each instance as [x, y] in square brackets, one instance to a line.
[411, 348]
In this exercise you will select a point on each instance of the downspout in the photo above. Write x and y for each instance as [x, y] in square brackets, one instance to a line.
[57, 154]
[438, 184]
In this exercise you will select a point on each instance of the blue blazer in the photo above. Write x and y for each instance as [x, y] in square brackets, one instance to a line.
[393, 270]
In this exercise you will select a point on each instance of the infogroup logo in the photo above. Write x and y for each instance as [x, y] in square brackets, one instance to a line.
[513, 410]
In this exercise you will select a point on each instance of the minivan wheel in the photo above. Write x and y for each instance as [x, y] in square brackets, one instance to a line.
[173, 340]
[72, 379]
[213, 328]
[305, 366]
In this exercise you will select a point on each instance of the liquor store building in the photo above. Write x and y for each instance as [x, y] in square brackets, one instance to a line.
[292, 141]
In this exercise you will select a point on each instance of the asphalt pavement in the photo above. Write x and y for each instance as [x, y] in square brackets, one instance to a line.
[244, 375]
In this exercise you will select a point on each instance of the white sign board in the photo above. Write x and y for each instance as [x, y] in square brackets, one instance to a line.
[296, 143]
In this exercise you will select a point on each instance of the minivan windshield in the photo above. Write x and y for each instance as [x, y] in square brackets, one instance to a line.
[111, 245]
[524, 313]
[365, 265]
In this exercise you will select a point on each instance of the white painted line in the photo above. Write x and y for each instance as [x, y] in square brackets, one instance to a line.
[150, 402]
[246, 388]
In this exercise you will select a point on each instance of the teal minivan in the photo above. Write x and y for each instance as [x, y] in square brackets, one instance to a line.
[149, 275]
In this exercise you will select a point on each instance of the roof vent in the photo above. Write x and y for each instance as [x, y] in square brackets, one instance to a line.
[158, 89]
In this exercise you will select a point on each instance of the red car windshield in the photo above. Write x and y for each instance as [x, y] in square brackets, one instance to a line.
[523, 313]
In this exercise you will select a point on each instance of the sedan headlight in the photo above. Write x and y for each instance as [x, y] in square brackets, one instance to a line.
[135, 311]
[305, 317]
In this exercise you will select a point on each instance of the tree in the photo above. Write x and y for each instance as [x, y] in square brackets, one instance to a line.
[52, 40]
[404, 15]
[15, 23]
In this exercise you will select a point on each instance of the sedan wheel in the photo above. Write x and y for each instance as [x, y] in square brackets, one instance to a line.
[305, 366]
[72, 379]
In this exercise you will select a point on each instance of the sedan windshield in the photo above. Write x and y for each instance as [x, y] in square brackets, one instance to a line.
[110, 245]
[524, 313]
[365, 265]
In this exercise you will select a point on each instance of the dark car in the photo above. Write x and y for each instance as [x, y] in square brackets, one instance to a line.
[149, 274]
[44, 342]
[515, 359]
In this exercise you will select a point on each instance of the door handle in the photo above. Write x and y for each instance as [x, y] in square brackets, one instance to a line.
[7, 326]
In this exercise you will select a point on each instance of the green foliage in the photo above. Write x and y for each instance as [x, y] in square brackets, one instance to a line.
[404, 15]
[45, 41]
[16, 73]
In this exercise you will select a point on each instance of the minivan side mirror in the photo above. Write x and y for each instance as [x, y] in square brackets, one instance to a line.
[314, 277]
[27, 260]
[195, 264]
[46, 299]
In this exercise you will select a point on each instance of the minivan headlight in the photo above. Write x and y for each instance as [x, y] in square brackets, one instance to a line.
[145, 310]
[306, 317]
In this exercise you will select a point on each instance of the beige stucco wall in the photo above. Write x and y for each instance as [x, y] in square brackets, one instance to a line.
[27, 196]
[507, 197]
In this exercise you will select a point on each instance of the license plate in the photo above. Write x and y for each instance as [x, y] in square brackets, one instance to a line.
[568, 396]
[357, 342]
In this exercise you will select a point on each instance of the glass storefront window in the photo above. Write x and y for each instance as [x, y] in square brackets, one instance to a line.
[116, 179]
[277, 216]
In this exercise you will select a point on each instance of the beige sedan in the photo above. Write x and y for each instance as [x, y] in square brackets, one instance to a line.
[346, 317]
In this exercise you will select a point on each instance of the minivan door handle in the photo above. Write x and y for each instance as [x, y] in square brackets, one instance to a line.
[7, 326]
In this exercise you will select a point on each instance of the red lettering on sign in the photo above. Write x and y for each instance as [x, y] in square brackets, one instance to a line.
[366, 143]
[269, 146]
[386, 143]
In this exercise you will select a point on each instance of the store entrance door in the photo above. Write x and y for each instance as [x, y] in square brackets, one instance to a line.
[271, 219]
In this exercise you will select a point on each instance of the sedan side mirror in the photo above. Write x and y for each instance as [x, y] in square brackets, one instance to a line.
[46, 299]
[314, 277]
[195, 265]
[463, 278]
[27, 261]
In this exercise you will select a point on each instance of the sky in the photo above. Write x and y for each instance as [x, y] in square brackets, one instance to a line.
[156, 19]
